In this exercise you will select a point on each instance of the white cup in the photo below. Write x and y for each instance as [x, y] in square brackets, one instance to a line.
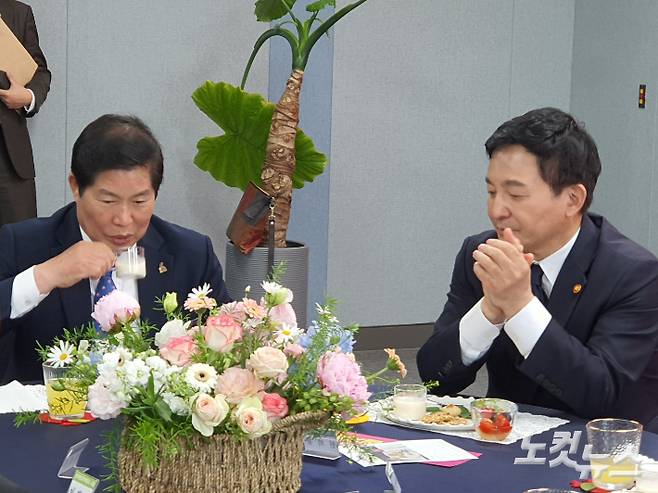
[409, 401]
[131, 263]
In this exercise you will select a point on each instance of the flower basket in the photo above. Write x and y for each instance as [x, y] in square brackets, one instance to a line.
[271, 463]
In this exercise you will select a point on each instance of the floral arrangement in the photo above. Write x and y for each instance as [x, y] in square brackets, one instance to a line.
[233, 369]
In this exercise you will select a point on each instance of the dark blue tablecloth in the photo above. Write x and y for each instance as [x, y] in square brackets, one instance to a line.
[31, 456]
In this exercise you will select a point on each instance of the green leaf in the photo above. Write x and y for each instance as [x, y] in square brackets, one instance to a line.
[464, 412]
[236, 157]
[310, 161]
[163, 409]
[319, 5]
[269, 10]
[587, 486]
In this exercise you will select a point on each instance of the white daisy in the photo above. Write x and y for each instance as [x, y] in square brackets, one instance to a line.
[62, 355]
[198, 299]
[286, 333]
[201, 377]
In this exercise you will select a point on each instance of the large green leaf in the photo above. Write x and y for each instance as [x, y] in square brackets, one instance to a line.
[236, 157]
[319, 5]
[310, 161]
[269, 10]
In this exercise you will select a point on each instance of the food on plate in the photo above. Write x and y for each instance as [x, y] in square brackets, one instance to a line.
[450, 414]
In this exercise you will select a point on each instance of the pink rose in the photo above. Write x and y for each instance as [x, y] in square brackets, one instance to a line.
[340, 374]
[237, 383]
[179, 350]
[269, 362]
[284, 314]
[221, 332]
[294, 350]
[208, 412]
[274, 405]
[115, 308]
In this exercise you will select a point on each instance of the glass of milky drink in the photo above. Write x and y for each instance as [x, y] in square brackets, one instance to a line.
[409, 400]
[615, 446]
[131, 263]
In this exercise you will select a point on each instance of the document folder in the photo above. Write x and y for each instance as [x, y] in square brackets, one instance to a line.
[14, 58]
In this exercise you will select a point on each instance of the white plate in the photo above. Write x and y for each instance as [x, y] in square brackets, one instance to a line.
[433, 401]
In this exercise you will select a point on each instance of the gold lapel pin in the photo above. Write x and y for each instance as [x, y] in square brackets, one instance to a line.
[162, 268]
[577, 288]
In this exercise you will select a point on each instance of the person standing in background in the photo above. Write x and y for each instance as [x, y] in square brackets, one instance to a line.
[17, 103]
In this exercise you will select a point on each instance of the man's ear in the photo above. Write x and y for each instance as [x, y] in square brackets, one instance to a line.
[576, 196]
[75, 189]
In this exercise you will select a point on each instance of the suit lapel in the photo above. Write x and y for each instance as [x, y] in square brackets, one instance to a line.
[572, 279]
[159, 275]
[76, 300]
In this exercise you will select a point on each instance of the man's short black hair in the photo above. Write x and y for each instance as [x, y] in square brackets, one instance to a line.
[115, 142]
[566, 153]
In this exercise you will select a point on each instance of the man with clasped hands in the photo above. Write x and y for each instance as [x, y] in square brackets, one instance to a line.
[560, 306]
[50, 267]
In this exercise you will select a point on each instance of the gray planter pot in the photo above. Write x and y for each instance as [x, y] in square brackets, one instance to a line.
[242, 270]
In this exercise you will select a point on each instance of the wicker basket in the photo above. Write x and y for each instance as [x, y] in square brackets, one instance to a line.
[269, 464]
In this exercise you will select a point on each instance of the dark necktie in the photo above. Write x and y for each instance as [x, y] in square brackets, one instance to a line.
[536, 275]
[105, 286]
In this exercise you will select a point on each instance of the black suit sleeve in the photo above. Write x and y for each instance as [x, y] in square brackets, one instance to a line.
[439, 359]
[40, 83]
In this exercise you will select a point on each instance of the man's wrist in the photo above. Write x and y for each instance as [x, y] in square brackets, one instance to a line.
[514, 308]
[493, 314]
[31, 101]
[42, 278]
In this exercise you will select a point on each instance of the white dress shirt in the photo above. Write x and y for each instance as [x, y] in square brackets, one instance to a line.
[25, 295]
[476, 333]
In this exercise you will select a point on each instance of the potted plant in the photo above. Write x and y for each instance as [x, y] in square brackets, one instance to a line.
[262, 142]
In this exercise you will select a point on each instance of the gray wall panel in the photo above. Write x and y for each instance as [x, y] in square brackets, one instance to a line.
[48, 127]
[541, 55]
[614, 51]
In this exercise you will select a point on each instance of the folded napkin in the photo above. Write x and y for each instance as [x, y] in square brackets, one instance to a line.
[16, 397]
[525, 424]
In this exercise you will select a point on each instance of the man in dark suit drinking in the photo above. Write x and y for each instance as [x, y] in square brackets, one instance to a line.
[50, 267]
[560, 306]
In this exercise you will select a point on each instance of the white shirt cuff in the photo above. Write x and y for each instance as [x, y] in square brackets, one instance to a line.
[24, 293]
[526, 327]
[30, 109]
[476, 334]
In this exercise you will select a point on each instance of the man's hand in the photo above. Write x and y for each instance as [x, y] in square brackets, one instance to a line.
[16, 97]
[84, 260]
[503, 269]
